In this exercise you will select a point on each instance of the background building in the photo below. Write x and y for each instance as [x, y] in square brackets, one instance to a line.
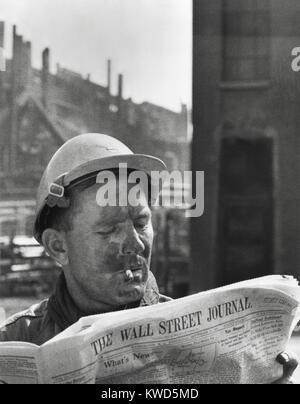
[246, 138]
[39, 111]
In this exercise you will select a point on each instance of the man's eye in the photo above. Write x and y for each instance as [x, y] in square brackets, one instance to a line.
[106, 232]
[141, 225]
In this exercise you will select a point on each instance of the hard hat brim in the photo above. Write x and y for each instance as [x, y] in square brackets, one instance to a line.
[139, 162]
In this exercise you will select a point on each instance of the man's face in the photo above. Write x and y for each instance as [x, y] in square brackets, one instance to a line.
[97, 245]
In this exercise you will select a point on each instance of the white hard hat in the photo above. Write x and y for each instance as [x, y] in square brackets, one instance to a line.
[78, 158]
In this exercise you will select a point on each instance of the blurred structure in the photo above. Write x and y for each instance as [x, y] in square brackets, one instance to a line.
[25, 269]
[171, 257]
[246, 138]
[39, 111]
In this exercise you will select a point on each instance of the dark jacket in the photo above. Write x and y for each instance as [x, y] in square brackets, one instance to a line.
[45, 320]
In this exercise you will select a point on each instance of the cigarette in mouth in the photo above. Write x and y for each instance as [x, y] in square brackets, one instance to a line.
[128, 275]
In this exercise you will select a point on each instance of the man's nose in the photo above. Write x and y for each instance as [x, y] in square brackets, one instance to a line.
[132, 242]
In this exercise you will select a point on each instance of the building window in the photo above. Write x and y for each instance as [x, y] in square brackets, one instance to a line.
[246, 25]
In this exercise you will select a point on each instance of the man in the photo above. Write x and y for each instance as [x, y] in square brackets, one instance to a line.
[104, 251]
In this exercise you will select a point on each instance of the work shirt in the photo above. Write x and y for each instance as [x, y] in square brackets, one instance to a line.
[45, 320]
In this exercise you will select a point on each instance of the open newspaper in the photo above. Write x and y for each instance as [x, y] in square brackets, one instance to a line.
[227, 335]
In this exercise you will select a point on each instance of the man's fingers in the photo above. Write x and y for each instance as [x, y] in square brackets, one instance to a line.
[289, 361]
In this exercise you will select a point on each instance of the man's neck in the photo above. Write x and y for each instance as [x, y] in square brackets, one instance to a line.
[84, 303]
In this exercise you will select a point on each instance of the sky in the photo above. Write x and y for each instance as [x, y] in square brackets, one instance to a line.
[149, 41]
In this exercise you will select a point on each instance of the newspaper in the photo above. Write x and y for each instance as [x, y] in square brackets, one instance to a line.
[227, 335]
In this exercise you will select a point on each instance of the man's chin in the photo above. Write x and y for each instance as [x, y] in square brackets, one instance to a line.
[132, 294]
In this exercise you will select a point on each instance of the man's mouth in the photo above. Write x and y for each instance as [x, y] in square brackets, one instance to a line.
[137, 268]
[133, 274]
[133, 267]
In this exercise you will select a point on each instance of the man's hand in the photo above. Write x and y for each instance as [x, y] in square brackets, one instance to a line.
[289, 361]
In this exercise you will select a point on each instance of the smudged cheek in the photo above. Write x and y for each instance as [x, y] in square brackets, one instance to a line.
[111, 258]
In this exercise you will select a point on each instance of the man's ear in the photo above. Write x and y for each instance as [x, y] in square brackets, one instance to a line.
[55, 244]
